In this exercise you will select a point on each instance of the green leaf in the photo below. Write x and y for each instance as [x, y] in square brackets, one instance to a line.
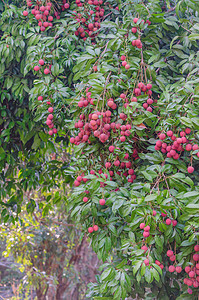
[136, 266]
[112, 184]
[194, 36]
[191, 194]
[117, 294]
[147, 176]
[37, 142]
[2, 154]
[55, 69]
[106, 273]
[143, 269]
[112, 229]
[150, 198]
[186, 121]
[159, 241]
[193, 207]
[155, 274]
[148, 275]
[117, 204]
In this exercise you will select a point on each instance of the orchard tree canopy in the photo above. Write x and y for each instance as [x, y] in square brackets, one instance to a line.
[100, 99]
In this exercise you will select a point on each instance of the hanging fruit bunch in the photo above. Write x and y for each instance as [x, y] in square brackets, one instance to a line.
[45, 11]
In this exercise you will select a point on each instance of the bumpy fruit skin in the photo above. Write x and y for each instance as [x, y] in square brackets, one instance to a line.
[146, 261]
[162, 136]
[134, 29]
[85, 199]
[162, 266]
[146, 234]
[149, 101]
[42, 8]
[196, 248]
[163, 214]
[144, 248]
[77, 183]
[142, 225]
[147, 228]
[95, 228]
[46, 71]
[169, 253]
[191, 274]
[50, 109]
[188, 147]
[48, 122]
[187, 269]
[190, 170]
[102, 201]
[50, 116]
[178, 269]
[171, 269]
[145, 105]
[189, 291]
[50, 18]
[36, 68]
[195, 147]
[54, 130]
[149, 109]
[127, 66]
[149, 86]
[45, 24]
[90, 229]
[159, 144]
[188, 130]
[79, 178]
[168, 221]
[172, 258]
[66, 5]
[41, 62]
[196, 257]
[25, 13]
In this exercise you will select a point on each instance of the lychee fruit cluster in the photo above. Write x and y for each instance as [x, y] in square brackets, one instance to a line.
[192, 270]
[45, 13]
[42, 66]
[174, 145]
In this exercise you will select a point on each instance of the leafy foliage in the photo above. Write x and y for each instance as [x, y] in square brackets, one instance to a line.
[127, 97]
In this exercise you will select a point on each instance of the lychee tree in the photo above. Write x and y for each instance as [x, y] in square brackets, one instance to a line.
[135, 121]
[136, 147]
[32, 164]
[24, 146]
[135, 130]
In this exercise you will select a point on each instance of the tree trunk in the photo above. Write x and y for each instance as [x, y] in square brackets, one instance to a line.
[75, 293]
[40, 295]
[86, 263]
